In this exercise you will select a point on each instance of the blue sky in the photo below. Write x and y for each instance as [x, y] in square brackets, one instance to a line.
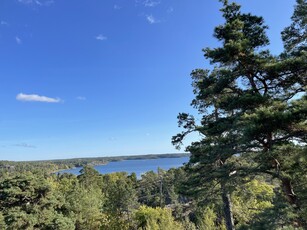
[105, 77]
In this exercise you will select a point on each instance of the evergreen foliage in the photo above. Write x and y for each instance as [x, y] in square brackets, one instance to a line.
[253, 107]
[247, 171]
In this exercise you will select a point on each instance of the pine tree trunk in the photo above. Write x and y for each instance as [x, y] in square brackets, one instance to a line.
[293, 200]
[227, 208]
[288, 191]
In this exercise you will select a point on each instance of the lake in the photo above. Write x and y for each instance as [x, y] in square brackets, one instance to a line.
[137, 166]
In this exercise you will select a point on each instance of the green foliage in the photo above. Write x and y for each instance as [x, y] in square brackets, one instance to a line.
[161, 189]
[253, 125]
[89, 177]
[87, 210]
[252, 106]
[188, 225]
[155, 219]
[251, 199]
[29, 201]
[120, 192]
[209, 220]
[2, 222]
[295, 35]
[149, 189]
[89, 201]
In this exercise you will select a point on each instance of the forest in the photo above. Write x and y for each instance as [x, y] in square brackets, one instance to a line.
[248, 169]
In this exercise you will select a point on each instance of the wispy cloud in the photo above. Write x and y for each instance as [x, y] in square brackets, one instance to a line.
[37, 2]
[170, 10]
[148, 3]
[81, 98]
[26, 1]
[101, 37]
[151, 19]
[116, 7]
[36, 98]
[4, 23]
[25, 145]
[18, 40]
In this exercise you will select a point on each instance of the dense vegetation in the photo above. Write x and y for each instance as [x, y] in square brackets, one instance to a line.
[253, 108]
[119, 201]
[247, 171]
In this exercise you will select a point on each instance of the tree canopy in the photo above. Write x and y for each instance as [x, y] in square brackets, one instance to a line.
[252, 106]
[248, 169]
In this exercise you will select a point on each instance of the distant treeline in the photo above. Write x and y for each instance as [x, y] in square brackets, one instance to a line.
[58, 164]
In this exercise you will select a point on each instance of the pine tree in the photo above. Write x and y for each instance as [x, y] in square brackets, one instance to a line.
[250, 104]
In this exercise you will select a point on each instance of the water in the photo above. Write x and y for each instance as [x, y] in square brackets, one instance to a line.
[137, 166]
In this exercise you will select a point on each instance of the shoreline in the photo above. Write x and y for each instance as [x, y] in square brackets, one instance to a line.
[139, 159]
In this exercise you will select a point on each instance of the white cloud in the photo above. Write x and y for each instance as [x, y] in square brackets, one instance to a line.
[151, 19]
[37, 98]
[148, 3]
[25, 145]
[101, 37]
[18, 40]
[81, 98]
[37, 2]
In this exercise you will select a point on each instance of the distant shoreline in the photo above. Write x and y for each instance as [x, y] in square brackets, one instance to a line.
[62, 164]
[96, 162]
[138, 166]
[110, 158]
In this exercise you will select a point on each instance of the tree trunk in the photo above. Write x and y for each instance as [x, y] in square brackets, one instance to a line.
[293, 200]
[227, 208]
[288, 191]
